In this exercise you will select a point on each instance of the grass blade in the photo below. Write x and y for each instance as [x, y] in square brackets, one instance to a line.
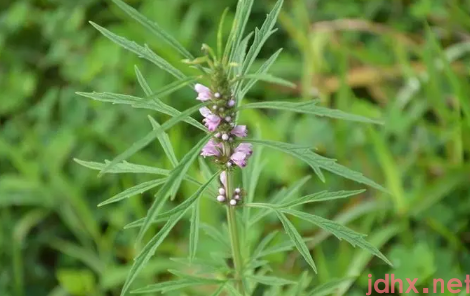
[135, 190]
[321, 196]
[165, 142]
[194, 230]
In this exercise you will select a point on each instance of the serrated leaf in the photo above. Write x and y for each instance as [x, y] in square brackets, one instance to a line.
[262, 70]
[338, 230]
[141, 51]
[194, 230]
[135, 190]
[137, 146]
[321, 196]
[240, 56]
[270, 280]
[309, 108]
[216, 235]
[150, 248]
[173, 182]
[296, 238]
[154, 28]
[317, 162]
[267, 78]
[327, 288]
[261, 35]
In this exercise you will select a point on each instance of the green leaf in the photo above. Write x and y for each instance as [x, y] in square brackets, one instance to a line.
[137, 146]
[220, 32]
[242, 15]
[231, 289]
[296, 238]
[270, 280]
[219, 290]
[137, 102]
[154, 28]
[165, 142]
[142, 82]
[261, 71]
[263, 244]
[321, 196]
[261, 35]
[138, 189]
[173, 285]
[142, 51]
[173, 182]
[123, 168]
[149, 250]
[328, 288]
[316, 162]
[267, 78]
[338, 230]
[239, 57]
[194, 230]
[311, 108]
[216, 235]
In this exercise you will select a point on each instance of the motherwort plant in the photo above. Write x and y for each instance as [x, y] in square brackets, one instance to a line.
[227, 145]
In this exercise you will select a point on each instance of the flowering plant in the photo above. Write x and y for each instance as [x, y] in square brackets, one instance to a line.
[226, 143]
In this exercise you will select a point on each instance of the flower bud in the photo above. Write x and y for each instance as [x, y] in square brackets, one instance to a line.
[225, 137]
[233, 202]
[228, 118]
[217, 135]
[237, 197]
[220, 198]
[238, 190]
[217, 95]
[231, 103]
[221, 191]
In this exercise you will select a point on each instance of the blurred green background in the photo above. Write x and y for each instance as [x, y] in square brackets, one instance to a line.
[406, 62]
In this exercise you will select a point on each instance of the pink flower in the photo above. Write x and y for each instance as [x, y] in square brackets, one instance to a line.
[204, 93]
[241, 154]
[211, 121]
[239, 131]
[223, 178]
[211, 148]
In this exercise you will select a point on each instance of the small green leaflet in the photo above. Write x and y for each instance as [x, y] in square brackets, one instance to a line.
[165, 142]
[194, 230]
[154, 28]
[296, 238]
[175, 285]
[149, 250]
[267, 78]
[173, 182]
[142, 82]
[309, 108]
[238, 27]
[137, 146]
[261, 35]
[138, 189]
[142, 51]
[338, 230]
[316, 162]
[321, 196]
[123, 168]
[270, 280]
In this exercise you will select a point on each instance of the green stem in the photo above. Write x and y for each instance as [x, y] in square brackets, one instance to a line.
[234, 239]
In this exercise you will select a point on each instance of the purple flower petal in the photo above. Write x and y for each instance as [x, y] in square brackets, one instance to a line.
[240, 131]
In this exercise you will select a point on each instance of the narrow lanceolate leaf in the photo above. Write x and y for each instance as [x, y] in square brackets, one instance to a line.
[267, 78]
[232, 290]
[263, 244]
[142, 82]
[261, 71]
[270, 280]
[238, 27]
[173, 182]
[137, 146]
[338, 230]
[321, 196]
[138, 189]
[309, 108]
[138, 102]
[123, 168]
[154, 28]
[296, 238]
[149, 250]
[317, 162]
[240, 56]
[174, 285]
[142, 51]
[194, 231]
[165, 142]
[328, 288]
[165, 215]
[169, 89]
[261, 35]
